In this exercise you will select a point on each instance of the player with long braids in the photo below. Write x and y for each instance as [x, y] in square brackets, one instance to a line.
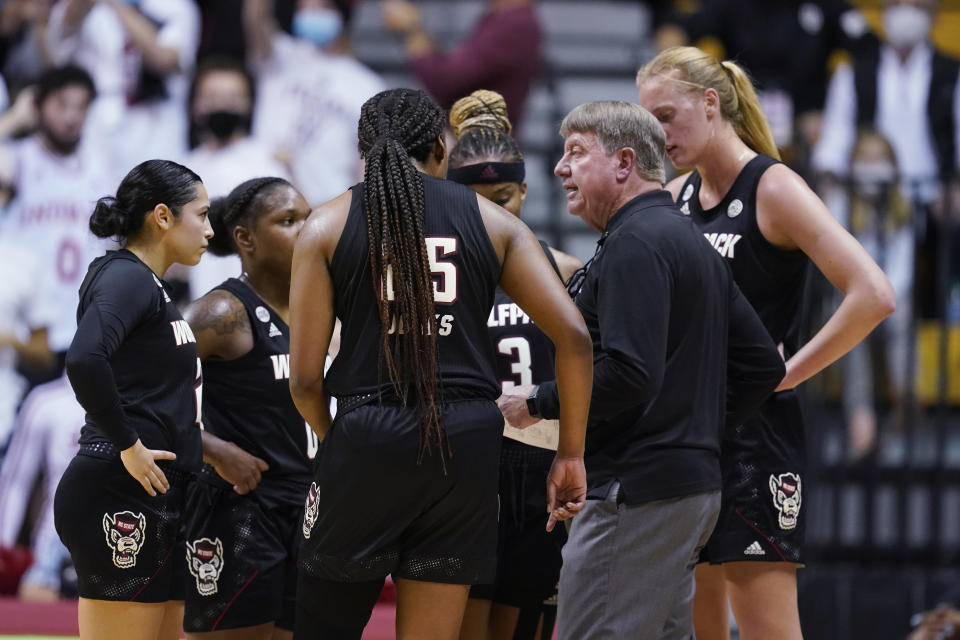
[406, 478]
[487, 159]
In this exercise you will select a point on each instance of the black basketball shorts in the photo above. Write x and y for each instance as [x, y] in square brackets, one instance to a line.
[528, 556]
[240, 559]
[762, 513]
[124, 543]
[372, 510]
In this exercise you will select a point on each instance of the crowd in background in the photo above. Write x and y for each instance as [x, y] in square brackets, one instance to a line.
[862, 103]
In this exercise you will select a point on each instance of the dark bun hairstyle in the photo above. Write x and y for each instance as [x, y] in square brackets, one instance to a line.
[242, 207]
[148, 184]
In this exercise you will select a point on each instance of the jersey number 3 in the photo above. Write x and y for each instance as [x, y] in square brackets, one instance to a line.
[520, 367]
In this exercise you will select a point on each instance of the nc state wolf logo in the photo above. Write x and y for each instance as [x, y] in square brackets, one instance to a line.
[205, 560]
[125, 536]
[786, 498]
[310, 510]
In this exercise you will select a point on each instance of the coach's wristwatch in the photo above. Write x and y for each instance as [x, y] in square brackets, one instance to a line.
[532, 402]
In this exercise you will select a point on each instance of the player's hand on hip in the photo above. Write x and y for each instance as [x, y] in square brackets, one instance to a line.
[513, 406]
[566, 489]
[241, 469]
[140, 463]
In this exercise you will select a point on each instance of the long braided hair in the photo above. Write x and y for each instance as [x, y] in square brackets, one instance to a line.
[396, 126]
[244, 204]
[482, 127]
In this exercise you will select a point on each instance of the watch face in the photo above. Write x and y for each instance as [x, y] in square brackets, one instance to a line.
[532, 405]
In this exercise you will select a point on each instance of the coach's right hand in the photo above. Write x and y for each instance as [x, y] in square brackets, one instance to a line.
[140, 463]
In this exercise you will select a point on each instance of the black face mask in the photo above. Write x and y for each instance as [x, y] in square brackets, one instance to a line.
[223, 124]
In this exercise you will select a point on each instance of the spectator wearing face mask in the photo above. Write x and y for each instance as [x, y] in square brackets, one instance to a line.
[873, 208]
[310, 92]
[908, 91]
[222, 149]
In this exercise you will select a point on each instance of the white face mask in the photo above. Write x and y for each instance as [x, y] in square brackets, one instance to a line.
[906, 26]
[871, 177]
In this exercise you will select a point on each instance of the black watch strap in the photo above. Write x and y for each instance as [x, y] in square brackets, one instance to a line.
[532, 403]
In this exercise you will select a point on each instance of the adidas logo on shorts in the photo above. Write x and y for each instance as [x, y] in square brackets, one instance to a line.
[754, 550]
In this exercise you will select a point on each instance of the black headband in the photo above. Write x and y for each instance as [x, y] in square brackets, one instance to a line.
[487, 173]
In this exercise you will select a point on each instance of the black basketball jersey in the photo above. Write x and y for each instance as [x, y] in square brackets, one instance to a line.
[126, 316]
[247, 401]
[771, 278]
[465, 270]
[524, 353]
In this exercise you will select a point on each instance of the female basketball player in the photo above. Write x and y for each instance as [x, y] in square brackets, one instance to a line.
[764, 219]
[488, 160]
[242, 531]
[406, 479]
[133, 366]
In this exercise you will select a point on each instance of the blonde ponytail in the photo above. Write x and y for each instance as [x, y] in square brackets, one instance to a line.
[748, 119]
[697, 70]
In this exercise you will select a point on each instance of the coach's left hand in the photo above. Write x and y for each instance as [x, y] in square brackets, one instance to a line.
[513, 406]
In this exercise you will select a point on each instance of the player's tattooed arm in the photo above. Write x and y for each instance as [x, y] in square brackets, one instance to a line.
[221, 326]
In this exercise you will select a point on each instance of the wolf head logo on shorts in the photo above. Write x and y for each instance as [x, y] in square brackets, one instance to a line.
[786, 498]
[125, 536]
[205, 561]
[310, 510]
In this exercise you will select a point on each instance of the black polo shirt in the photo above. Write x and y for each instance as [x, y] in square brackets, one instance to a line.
[673, 338]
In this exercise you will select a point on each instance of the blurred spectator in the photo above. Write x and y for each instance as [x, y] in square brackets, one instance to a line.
[141, 54]
[55, 181]
[502, 53]
[309, 94]
[23, 48]
[43, 443]
[24, 318]
[880, 218]
[20, 118]
[942, 623]
[785, 46]
[907, 91]
[223, 152]
[222, 20]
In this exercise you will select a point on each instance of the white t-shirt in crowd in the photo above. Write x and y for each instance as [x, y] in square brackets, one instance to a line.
[131, 133]
[45, 440]
[221, 170]
[902, 117]
[23, 307]
[50, 216]
[308, 106]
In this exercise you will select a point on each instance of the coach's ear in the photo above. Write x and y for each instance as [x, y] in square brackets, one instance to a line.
[626, 163]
